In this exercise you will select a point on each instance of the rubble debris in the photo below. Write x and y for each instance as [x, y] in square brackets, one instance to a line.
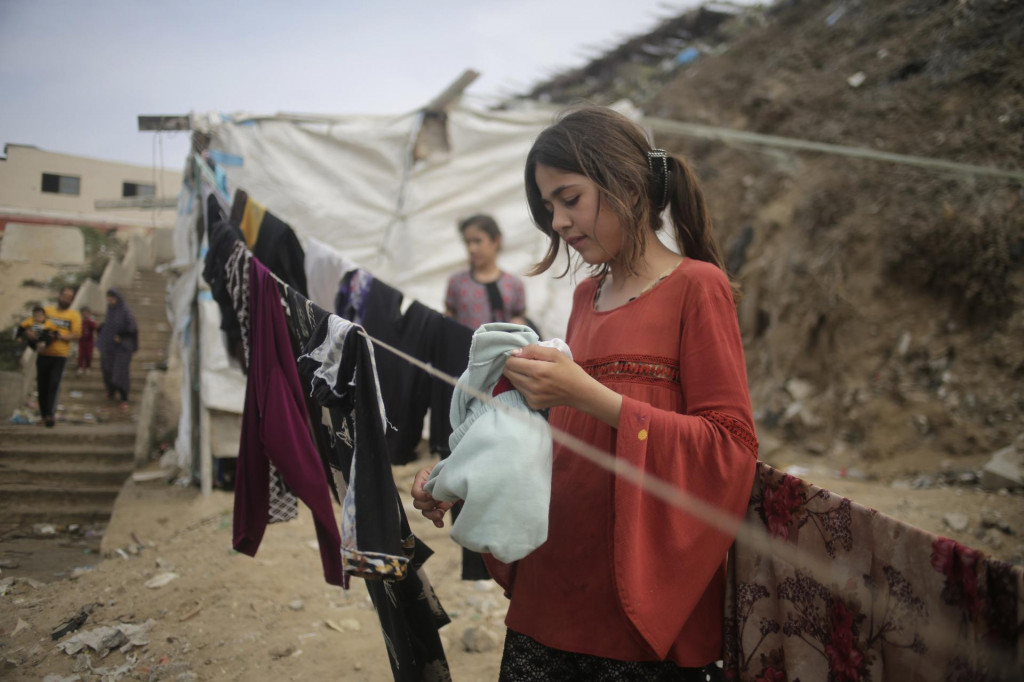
[1005, 469]
[956, 521]
[478, 640]
[103, 640]
[73, 623]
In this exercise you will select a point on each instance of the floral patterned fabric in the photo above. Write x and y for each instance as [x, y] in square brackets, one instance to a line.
[885, 601]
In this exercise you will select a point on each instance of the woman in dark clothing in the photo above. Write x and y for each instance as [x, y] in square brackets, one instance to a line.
[117, 342]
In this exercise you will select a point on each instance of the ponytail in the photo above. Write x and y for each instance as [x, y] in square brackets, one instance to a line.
[694, 231]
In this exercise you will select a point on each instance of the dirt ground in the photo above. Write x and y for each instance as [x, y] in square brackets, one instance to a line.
[227, 616]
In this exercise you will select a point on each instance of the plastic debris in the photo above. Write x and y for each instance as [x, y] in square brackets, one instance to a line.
[688, 55]
[161, 580]
[857, 79]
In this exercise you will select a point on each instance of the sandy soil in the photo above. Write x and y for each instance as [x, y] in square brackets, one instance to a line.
[227, 616]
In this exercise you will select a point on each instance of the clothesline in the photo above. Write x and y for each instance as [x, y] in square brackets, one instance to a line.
[753, 536]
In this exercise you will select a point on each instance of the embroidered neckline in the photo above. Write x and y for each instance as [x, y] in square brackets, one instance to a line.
[606, 276]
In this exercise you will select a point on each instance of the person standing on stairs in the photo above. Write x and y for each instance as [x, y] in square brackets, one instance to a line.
[117, 341]
[51, 361]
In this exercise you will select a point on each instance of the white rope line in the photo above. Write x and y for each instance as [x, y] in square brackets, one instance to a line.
[744, 531]
[706, 132]
[658, 487]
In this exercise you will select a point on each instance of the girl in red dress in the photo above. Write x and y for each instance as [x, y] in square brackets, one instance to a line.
[628, 587]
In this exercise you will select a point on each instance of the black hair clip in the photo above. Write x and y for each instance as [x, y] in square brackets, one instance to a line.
[660, 169]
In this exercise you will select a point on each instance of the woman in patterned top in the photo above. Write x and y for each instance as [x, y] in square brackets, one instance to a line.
[484, 293]
[627, 586]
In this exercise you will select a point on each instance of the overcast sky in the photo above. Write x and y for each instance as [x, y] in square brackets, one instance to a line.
[74, 74]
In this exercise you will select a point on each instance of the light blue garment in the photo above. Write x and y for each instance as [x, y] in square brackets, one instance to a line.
[500, 464]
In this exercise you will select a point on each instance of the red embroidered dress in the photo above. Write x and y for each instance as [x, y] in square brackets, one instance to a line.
[623, 575]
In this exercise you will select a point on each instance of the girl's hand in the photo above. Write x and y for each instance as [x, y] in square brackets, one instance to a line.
[424, 501]
[547, 378]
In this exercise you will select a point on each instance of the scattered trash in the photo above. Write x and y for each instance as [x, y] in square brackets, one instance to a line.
[160, 580]
[688, 55]
[831, 19]
[297, 605]
[44, 529]
[105, 639]
[857, 79]
[143, 476]
[72, 623]
[54, 677]
[20, 417]
[191, 614]
[79, 571]
[75, 394]
[21, 625]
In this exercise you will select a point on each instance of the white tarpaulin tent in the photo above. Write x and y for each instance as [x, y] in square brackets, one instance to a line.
[352, 183]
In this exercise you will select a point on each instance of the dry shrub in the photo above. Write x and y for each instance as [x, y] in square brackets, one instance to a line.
[972, 260]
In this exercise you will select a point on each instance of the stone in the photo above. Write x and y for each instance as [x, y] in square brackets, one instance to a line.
[799, 389]
[478, 640]
[956, 521]
[1005, 469]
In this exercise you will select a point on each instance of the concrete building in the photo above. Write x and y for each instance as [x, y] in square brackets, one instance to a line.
[41, 187]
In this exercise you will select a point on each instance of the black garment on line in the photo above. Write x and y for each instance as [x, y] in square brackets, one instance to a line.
[49, 372]
[409, 612]
[406, 390]
[221, 238]
[276, 245]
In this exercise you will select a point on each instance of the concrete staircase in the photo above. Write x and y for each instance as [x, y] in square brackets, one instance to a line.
[72, 473]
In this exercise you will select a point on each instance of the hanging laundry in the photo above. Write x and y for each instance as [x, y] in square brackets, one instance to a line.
[500, 465]
[324, 266]
[274, 430]
[420, 332]
[898, 603]
[222, 237]
[271, 240]
[337, 366]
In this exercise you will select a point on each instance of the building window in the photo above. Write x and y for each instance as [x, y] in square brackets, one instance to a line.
[61, 184]
[137, 189]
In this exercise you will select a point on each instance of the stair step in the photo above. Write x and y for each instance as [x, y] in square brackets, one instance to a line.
[63, 475]
[17, 499]
[79, 435]
[60, 515]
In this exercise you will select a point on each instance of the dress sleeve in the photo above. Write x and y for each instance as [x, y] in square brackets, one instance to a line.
[708, 452]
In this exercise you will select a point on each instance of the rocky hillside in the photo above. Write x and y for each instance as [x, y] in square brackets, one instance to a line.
[883, 308]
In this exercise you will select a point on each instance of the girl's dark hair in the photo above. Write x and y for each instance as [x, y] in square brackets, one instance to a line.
[611, 151]
[483, 221]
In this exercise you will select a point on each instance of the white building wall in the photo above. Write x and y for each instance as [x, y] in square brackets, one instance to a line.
[21, 187]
